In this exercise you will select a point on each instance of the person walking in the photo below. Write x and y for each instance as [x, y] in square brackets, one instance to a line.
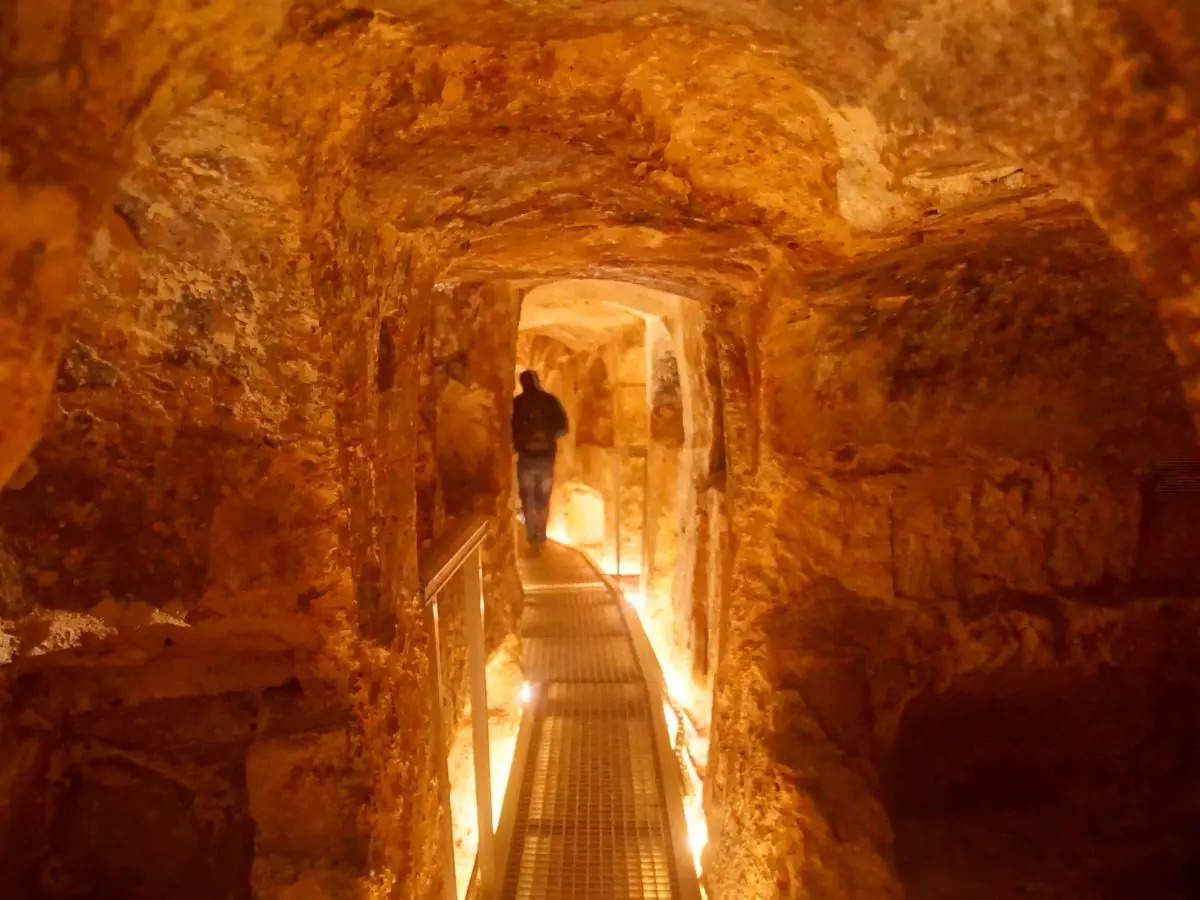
[538, 421]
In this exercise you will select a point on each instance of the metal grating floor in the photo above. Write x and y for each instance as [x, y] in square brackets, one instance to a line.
[591, 820]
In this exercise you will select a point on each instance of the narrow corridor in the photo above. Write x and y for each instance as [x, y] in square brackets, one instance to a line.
[877, 327]
[593, 809]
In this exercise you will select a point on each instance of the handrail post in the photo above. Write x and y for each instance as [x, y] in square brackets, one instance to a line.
[460, 551]
[438, 701]
[477, 663]
[647, 537]
[616, 483]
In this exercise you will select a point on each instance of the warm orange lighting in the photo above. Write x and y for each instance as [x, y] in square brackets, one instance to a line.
[697, 827]
[630, 565]
[679, 686]
[525, 694]
[503, 679]
[683, 737]
[637, 600]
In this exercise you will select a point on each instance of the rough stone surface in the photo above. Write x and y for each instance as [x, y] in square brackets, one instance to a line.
[938, 522]
[933, 436]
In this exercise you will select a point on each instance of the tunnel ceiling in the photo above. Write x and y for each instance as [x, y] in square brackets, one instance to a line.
[578, 324]
[583, 313]
[690, 147]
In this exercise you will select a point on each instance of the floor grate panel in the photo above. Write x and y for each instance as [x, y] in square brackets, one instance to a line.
[591, 819]
[570, 598]
[615, 698]
[561, 620]
[570, 659]
[591, 822]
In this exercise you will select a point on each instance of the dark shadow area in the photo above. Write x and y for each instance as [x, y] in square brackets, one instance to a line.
[1049, 785]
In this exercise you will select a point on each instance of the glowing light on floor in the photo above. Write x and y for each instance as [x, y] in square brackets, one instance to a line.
[688, 745]
[503, 679]
[679, 686]
[630, 566]
[697, 827]
[636, 599]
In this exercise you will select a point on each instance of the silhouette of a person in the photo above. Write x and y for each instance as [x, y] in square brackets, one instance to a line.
[538, 421]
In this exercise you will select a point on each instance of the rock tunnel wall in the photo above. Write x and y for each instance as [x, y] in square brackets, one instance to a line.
[1008, 527]
[473, 376]
[212, 594]
[942, 503]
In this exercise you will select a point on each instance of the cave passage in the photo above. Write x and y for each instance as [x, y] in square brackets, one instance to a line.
[609, 350]
[879, 332]
[595, 807]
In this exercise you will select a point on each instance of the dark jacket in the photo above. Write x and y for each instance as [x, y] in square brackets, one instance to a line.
[538, 421]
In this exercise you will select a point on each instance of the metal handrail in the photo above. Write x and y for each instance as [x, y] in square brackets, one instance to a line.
[460, 550]
[448, 554]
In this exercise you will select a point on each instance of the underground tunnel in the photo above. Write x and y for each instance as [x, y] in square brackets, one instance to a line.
[874, 558]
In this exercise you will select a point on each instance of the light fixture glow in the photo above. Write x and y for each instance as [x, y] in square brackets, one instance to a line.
[525, 694]
[697, 827]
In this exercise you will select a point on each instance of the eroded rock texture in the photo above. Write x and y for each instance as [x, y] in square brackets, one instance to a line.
[919, 375]
[960, 501]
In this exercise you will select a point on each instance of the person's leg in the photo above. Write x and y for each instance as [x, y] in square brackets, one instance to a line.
[527, 479]
[545, 483]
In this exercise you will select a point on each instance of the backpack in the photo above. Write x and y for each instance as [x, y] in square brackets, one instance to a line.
[537, 424]
[538, 439]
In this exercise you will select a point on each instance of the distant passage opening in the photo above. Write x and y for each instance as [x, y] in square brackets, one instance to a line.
[628, 365]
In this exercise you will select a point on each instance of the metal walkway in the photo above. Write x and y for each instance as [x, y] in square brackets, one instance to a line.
[593, 809]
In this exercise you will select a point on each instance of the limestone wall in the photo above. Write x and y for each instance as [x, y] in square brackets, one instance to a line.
[940, 504]
[213, 611]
